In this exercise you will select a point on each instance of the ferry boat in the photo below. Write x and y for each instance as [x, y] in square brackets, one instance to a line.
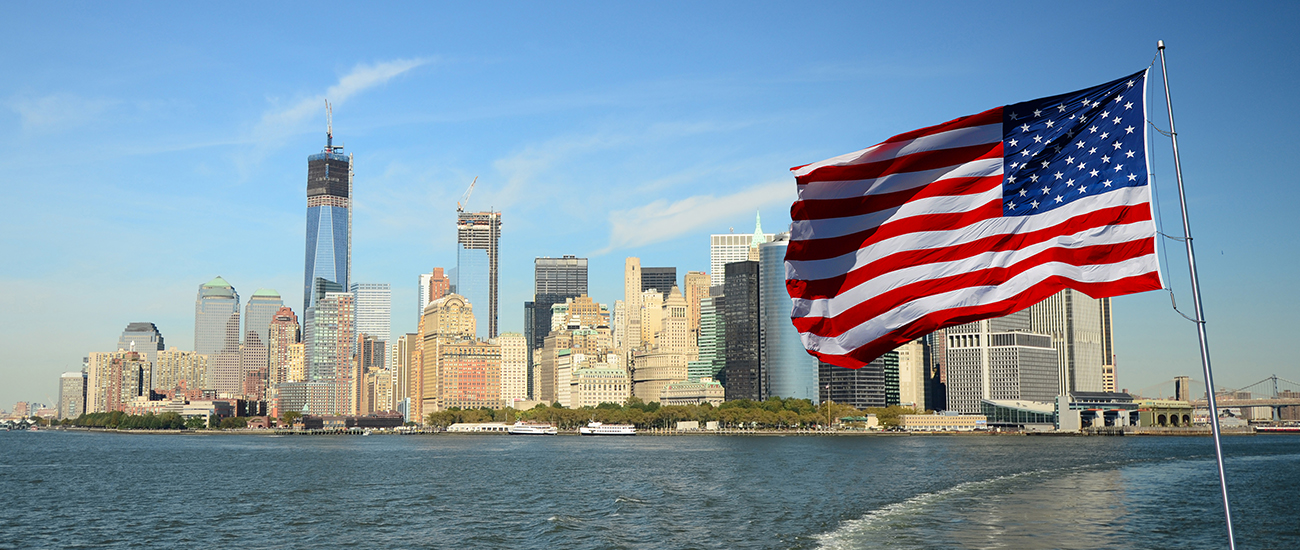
[597, 428]
[532, 428]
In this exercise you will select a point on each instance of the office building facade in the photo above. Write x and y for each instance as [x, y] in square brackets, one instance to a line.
[743, 375]
[1074, 320]
[72, 394]
[216, 334]
[732, 247]
[478, 238]
[662, 279]
[788, 368]
[143, 338]
[999, 359]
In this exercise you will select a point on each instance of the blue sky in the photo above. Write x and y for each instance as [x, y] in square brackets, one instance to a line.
[150, 147]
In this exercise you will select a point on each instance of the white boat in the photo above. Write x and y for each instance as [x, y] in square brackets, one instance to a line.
[598, 428]
[532, 428]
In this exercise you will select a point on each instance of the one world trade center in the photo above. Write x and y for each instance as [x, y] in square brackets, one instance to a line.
[329, 222]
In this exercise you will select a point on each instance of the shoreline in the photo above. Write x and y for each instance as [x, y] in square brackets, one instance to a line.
[660, 432]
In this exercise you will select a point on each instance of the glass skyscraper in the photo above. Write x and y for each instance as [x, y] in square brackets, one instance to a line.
[216, 333]
[329, 219]
[478, 236]
[790, 370]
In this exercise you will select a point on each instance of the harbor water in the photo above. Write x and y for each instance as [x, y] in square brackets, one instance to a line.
[109, 490]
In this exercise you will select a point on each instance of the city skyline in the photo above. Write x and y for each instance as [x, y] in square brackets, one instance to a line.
[651, 160]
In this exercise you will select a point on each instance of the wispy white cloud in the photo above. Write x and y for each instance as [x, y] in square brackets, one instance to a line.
[278, 123]
[662, 220]
[56, 112]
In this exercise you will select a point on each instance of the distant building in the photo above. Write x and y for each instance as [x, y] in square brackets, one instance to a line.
[404, 367]
[283, 332]
[599, 383]
[1074, 321]
[329, 221]
[554, 281]
[712, 341]
[216, 334]
[446, 320]
[697, 392]
[433, 285]
[514, 366]
[695, 289]
[115, 379]
[631, 318]
[374, 302]
[258, 314]
[999, 359]
[744, 377]
[652, 371]
[478, 237]
[469, 375]
[730, 247]
[330, 338]
[175, 368]
[862, 387]
[789, 370]
[143, 338]
[911, 376]
[72, 394]
[662, 279]
[942, 422]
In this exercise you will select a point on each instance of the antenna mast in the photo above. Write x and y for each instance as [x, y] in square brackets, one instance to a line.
[329, 126]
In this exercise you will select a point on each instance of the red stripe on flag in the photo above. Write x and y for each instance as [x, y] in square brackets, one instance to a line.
[863, 355]
[915, 162]
[821, 249]
[857, 206]
[899, 295]
[830, 287]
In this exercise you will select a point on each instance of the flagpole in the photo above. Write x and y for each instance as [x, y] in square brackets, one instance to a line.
[1196, 299]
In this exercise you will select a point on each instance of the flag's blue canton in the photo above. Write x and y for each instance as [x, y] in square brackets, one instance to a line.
[1059, 149]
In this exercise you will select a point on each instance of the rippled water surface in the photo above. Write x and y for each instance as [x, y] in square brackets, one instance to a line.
[93, 490]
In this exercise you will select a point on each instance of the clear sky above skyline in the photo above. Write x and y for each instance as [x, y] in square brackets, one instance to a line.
[149, 147]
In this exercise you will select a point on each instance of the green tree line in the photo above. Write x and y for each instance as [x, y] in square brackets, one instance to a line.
[122, 421]
[774, 413]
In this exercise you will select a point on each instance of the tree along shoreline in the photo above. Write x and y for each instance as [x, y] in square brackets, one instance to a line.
[773, 414]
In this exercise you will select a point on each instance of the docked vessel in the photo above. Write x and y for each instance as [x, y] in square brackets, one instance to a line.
[532, 428]
[598, 428]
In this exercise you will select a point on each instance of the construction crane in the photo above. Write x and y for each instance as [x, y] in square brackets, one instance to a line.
[464, 199]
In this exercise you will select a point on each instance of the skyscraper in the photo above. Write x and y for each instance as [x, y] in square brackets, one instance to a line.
[999, 359]
[514, 366]
[253, 358]
[329, 219]
[730, 247]
[284, 332]
[433, 285]
[375, 313]
[259, 311]
[142, 337]
[695, 289]
[788, 368]
[1074, 321]
[478, 235]
[744, 375]
[72, 394]
[216, 334]
[631, 319]
[554, 281]
[330, 338]
[662, 279]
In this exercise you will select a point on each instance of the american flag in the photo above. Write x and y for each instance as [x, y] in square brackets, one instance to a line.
[971, 219]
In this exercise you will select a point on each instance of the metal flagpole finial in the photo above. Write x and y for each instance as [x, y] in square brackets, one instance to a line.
[1196, 299]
